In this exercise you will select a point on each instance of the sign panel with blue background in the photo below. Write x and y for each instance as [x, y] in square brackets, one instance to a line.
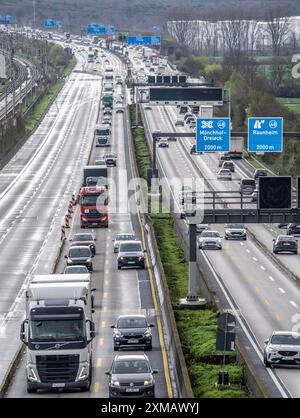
[213, 135]
[144, 40]
[48, 23]
[95, 29]
[6, 19]
[265, 134]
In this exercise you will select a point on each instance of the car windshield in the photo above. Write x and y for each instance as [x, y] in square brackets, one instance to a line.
[56, 331]
[131, 367]
[132, 322]
[124, 237]
[79, 252]
[248, 182]
[130, 247]
[285, 238]
[83, 237]
[76, 270]
[235, 226]
[210, 234]
[285, 339]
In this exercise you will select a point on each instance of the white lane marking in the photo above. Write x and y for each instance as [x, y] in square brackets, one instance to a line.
[255, 259]
[248, 251]
[242, 244]
[262, 267]
[293, 304]
[272, 279]
[281, 290]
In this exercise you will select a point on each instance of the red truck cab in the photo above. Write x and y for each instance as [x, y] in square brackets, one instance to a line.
[93, 203]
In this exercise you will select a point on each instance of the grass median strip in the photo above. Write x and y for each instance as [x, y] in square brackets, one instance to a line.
[197, 329]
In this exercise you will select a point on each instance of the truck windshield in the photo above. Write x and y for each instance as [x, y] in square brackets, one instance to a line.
[102, 132]
[91, 200]
[57, 331]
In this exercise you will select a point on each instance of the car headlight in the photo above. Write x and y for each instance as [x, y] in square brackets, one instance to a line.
[219, 241]
[141, 258]
[147, 334]
[86, 211]
[121, 258]
[118, 334]
[84, 372]
[115, 383]
[147, 382]
[271, 350]
[89, 260]
[32, 375]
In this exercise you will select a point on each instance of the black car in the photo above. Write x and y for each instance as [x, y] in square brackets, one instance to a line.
[193, 150]
[222, 159]
[285, 244]
[80, 256]
[131, 375]
[132, 331]
[293, 229]
[260, 172]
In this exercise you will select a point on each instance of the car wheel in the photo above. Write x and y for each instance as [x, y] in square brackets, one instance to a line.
[148, 347]
[119, 268]
[30, 389]
[226, 238]
[116, 348]
[267, 363]
[245, 239]
[143, 267]
[275, 252]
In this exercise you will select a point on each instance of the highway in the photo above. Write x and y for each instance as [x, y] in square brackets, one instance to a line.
[266, 298]
[118, 292]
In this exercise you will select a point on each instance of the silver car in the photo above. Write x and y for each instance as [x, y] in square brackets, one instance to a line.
[283, 347]
[235, 231]
[210, 240]
[131, 254]
[122, 237]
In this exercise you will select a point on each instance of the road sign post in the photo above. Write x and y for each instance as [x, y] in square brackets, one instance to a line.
[265, 134]
[213, 135]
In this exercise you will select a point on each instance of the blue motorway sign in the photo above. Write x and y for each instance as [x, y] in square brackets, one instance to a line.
[213, 135]
[144, 40]
[110, 29]
[59, 24]
[265, 134]
[95, 29]
[6, 19]
[48, 23]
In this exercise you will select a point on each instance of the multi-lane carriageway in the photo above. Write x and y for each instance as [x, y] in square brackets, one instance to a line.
[246, 278]
[36, 187]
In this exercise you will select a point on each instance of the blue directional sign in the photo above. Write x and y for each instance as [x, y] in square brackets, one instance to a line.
[48, 23]
[265, 134]
[6, 19]
[59, 24]
[144, 40]
[213, 135]
[110, 30]
[96, 29]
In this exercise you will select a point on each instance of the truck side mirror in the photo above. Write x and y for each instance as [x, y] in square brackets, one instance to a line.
[22, 332]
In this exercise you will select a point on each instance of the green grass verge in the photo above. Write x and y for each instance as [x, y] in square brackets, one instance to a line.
[36, 116]
[197, 329]
[293, 104]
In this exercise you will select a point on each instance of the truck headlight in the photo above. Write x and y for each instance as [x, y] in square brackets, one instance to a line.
[84, 372]
[32, 375]
[86, 211]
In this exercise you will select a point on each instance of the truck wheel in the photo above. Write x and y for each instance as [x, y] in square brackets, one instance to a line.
[30, 389]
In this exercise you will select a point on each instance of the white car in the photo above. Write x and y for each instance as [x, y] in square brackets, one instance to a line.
[224, 174]
[283, 347]
[122, 237]
[210, 240]
[101, 163]
[163, 143]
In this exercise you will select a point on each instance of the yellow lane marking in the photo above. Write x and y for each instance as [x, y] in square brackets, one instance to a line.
[96, 387]
[104, 308]
[103, 324]
[156, 306]
[99, 362]
[247, 277]
[106, 261]
[277, 317]
[266, 302]
[101, 342]
[106, 282]
[257, 290]
[104, 295]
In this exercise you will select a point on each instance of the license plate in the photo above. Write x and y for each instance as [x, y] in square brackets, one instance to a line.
[286, 244]
[287, 358]
[94, 224]
[132, 390]
[133, 341]
[58, 385]
[131, 262]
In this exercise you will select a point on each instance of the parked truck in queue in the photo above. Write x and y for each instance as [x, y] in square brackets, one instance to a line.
[58, 332]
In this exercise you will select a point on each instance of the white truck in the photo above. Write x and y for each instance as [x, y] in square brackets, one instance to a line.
[236, 147]
[58, 332]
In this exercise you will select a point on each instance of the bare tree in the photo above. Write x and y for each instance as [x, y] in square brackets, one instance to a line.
[278, 27]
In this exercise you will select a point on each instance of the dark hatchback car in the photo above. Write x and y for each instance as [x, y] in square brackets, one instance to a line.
[285, 243]
[131, 376]
[83, 240]
[260, 172]
[293, 229]
[132, 331]
[80, 256]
